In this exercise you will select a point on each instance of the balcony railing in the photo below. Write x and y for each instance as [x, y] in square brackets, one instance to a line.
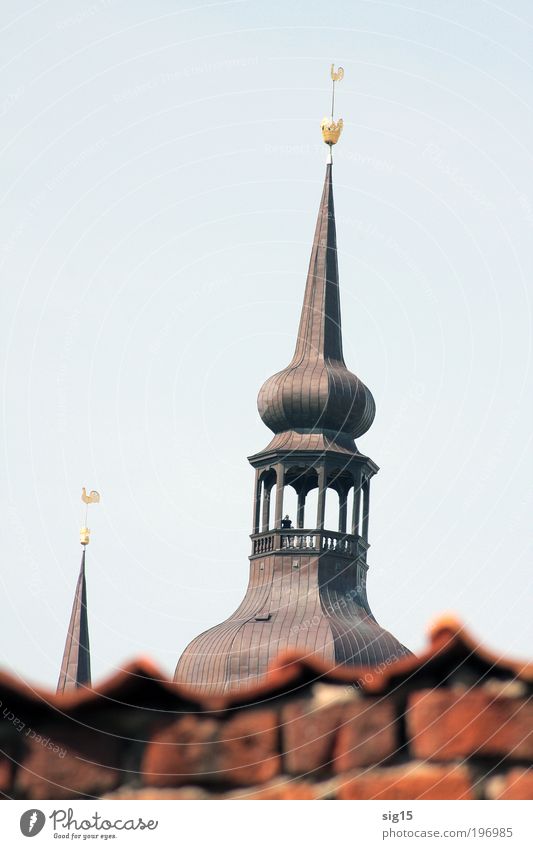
[302, 540]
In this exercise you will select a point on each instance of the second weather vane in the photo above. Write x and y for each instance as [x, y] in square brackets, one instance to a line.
[336, 76]
[332, 129]
[93, 497]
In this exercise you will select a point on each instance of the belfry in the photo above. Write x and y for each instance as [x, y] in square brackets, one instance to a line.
[307, 585]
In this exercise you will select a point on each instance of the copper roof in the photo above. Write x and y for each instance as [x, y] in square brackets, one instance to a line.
[320, 621]
[316, 391]
[453, 651]
[316, 603]
[454, 722]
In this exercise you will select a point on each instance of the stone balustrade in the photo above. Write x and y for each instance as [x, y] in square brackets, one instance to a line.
[307, 540]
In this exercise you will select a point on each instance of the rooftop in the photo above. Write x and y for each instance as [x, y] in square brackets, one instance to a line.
[454, 722]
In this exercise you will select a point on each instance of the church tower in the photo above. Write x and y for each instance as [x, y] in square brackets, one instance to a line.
[307, 585]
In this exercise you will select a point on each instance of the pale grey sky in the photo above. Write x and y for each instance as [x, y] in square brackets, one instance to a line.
[161, 172]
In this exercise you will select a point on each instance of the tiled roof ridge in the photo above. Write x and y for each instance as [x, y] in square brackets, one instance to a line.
[291, 670]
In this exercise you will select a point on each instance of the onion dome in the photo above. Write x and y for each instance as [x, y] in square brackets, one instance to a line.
[316, 392]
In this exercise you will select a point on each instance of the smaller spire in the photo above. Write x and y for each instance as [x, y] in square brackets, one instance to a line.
[76, 664]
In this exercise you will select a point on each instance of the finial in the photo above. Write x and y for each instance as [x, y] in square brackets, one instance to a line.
[332, 129]
[92, 498]
[84, 536]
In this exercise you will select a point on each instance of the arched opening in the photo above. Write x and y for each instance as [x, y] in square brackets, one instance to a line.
[290, 504]
[349, 510]
[311, 508]
[361, 509]
[272, 508]
[296, 482]
[267, 500]
[331, 516]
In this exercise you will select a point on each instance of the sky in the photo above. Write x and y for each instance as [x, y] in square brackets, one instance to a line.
[161, 169]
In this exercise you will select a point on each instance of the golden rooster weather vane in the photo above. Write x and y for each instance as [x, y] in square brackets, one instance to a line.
[92, 498]
[332, 129]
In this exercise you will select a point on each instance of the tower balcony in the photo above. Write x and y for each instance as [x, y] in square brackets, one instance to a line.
[308, 541]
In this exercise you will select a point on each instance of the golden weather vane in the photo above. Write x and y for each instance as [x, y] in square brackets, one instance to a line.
[92, 498]
[332, 129]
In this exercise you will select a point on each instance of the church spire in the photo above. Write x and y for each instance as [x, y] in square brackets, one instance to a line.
[320, 321]
[316, 392]
[76, 663]
[319, 333]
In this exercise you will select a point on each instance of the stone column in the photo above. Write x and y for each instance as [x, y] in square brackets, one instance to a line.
[343, 508]
[257, 502]
[300, 512]
[280, 481]
[266, 507]
[366, 509]
[321, 512]
[356, 504]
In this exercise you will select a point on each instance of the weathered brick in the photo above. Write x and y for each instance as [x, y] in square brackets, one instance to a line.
[6, 774]
[367, 734]
[295, 790]
[407, 782]
[352, 734]
[158, 793]
[9, 758]
[248, 750]
[241, 750]
[447, 724]
[87, 764]
[181, 753]
[516, 784]
[11, 747]
[308, 735]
